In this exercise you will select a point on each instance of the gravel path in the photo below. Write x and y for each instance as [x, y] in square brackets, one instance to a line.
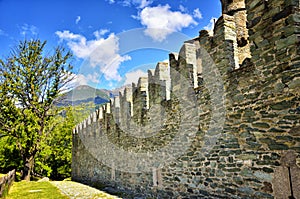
[76, 190]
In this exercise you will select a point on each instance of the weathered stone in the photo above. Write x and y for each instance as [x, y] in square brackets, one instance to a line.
[247, 100]
[220, 173]
[261, 125]
[246, 190]
[229, 190]
[263, 195]
[295, 131]
[278, 146]
[263, 176]
[249, 113]
[294, 84]
[286, 12]
[246, 172]
[247, 156]
[275, 130]
[268, 170]
[281, 105]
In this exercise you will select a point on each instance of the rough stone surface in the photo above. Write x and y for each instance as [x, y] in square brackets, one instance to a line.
[247, 134]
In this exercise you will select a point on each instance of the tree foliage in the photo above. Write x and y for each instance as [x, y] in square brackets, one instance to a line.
[30, 83]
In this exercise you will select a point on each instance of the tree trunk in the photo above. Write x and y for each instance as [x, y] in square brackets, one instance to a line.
[28, 167]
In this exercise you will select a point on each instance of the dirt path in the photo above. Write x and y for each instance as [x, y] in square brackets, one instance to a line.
[76, 190]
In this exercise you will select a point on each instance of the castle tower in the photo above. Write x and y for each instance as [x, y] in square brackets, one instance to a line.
[237, 9]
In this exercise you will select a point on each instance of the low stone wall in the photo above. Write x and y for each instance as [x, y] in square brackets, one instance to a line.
[6, 182]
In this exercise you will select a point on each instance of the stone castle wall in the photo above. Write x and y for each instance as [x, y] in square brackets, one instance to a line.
[221, 119]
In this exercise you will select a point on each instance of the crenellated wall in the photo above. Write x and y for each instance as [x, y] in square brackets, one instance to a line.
[220, 120]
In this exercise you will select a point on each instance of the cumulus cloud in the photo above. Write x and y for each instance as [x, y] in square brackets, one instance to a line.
[99, 33]
[78, 19]
[211, 25]
[197, 14]
[28, 29]
[133, 77]
[100, 52]
[160, 21]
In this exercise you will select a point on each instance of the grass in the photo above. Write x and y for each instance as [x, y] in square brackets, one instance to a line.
[34, 190]
[1, 175]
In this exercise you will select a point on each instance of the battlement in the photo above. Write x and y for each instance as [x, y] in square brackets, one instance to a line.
[237, 91]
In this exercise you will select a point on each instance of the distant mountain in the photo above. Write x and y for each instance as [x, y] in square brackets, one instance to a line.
[120, 89]
[114, 92]
[84, 94]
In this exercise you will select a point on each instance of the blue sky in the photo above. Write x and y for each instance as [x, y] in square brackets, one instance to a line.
[113, 41]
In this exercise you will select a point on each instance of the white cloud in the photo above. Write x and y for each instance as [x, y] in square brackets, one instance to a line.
[210, 26]
[126, 2]
[100, 33]
[78, 19]
[182, 8]
[2, 33]
[28, 29]
[81, 79]
[197, 14]
[133, 77]
[161, 21]
[142, 3]
[74, 81]
[137, 3]
[101, 52]
[137, 17]
[93, 78]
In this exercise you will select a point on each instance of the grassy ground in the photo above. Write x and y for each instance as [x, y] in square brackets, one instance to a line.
[34, 190]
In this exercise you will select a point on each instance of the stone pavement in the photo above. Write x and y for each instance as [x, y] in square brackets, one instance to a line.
[76, 190]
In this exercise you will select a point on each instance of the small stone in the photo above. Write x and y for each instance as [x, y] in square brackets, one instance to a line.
[246, 190]
[267, 187]
[246, 172]
[249, 113]
[229, 190]
[261, 125]
[275, 130]
[294, 84]
[246, 157]
[220, 173]
[281, 105]
[286, 12]
[268, 170]
[263, 176]
[278, 88]
[295, 131]
[263, 195]
[278, 146]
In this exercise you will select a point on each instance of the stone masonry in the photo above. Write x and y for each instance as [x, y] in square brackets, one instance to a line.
[220, 120]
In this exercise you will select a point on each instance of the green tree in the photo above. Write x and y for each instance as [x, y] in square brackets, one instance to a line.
[55, 158]
[9, 155]
[30, 83]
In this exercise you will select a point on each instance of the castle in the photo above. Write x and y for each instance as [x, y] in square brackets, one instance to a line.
[220, 120]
